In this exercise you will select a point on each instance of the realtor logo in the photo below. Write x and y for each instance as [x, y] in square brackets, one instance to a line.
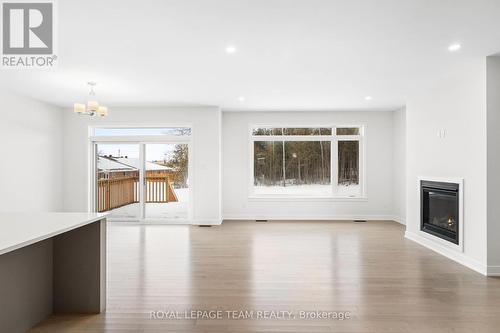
[28, 29]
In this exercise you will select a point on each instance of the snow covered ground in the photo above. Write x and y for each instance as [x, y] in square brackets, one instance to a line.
[169, 211]
[307, 190]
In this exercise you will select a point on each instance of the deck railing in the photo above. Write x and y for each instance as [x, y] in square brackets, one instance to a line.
[159, 190]
[118, 192]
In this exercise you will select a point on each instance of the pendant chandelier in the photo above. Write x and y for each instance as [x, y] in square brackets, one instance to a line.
[92, 107]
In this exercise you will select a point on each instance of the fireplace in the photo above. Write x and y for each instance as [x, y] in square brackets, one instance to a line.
[439, 205]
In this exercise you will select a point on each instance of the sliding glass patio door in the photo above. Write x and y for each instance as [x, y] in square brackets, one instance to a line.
[118, 174]
[143, 181]
[166, 180]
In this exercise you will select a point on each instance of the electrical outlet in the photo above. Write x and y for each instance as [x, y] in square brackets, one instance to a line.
[441, 133]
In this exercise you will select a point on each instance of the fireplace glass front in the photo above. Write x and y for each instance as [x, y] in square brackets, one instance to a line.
[439, 209]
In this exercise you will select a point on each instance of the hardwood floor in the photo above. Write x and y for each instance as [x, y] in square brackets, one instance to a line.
[387, 283]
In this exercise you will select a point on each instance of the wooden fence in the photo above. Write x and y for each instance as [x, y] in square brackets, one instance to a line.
[118, 192]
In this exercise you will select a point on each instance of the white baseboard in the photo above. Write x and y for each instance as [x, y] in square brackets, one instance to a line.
[207, 222]
[166, 222]
[399, 219]
[240, 217]
[493, 271]
[453, 255]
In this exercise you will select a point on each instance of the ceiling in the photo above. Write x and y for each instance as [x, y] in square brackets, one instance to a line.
[290, 54]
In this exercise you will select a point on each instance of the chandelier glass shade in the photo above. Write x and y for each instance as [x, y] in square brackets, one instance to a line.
[92, 107]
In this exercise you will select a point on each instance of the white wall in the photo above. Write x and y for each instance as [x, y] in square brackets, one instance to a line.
[379, 168]
[493, 123]
[399, 167]
[31, 153]
[455, 102]
[205, 122]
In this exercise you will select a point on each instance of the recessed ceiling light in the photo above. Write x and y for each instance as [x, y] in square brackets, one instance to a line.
[368, 98]
[241, 98]
[454, 47]
[230, 49]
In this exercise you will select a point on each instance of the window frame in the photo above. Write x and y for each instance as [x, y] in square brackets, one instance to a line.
[141, 140]
[333, 139]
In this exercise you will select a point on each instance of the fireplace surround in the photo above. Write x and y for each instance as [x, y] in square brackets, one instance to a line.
[419, 232]
[440, 210]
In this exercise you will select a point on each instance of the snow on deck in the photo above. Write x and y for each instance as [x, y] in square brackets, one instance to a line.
[162, 211]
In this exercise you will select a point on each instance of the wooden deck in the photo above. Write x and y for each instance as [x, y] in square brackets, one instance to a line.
[118, 192]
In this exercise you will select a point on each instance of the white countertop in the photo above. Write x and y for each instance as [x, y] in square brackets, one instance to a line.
[18, 230]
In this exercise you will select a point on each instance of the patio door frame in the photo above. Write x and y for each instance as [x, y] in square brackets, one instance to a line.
[141, 141]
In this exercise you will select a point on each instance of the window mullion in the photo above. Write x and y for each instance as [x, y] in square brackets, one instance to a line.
[334, 165]
[312, 172]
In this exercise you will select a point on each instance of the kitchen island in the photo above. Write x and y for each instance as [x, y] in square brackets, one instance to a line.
[50, 263]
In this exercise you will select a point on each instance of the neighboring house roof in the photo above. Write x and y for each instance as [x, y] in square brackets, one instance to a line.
[110, 165]
[134, 162]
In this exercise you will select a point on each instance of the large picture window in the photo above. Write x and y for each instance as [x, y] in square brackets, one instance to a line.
[308, 161]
